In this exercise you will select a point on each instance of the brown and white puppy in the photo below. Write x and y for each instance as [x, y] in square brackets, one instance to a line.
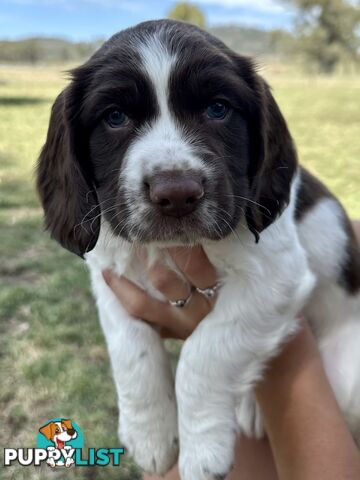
[165, 136]
[59, 433]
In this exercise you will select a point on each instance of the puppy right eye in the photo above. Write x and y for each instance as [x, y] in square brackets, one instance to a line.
[116, 119]
[217, 111]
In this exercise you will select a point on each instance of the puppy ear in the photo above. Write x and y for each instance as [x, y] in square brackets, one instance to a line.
[47, 430]
[64, 182]
[273, 161]
[67, 424]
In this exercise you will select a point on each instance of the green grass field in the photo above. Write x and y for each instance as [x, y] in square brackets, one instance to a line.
[52, 353]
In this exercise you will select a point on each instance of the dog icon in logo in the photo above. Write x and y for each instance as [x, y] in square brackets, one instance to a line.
[59, 432]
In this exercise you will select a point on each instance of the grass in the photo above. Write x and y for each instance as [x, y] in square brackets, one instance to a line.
[52, 353]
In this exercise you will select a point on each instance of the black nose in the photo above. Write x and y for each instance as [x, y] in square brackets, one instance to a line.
[175, 194]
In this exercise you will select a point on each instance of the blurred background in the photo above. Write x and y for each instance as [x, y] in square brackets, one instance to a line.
[53, 359]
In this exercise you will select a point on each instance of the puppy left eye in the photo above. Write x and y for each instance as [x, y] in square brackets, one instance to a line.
[217, 111]
[116, 119]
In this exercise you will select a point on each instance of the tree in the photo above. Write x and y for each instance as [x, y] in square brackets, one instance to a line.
[187, 12]
[328, 31]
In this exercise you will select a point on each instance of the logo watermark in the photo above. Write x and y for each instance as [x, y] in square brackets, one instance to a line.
[60, 443]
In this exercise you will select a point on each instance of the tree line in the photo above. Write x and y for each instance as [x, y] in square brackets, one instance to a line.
[326, 34]
[45, 50]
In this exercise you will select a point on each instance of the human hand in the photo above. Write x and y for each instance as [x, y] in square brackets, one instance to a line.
[171, 321]
[356, 227]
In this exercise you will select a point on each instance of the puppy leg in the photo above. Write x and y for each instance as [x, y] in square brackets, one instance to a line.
[206, 403]
[144, 382]
[219, 364]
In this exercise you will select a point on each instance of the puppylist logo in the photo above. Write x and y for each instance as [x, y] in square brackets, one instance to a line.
[60, 443]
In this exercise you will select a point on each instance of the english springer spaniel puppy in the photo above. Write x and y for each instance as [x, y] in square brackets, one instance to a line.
[164, 108]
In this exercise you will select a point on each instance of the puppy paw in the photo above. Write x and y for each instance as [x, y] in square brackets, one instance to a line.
[51, 462]
[207, 461]
[153, 443]
[69, 462]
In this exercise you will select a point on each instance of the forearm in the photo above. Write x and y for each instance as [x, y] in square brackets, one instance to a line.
[308, 435]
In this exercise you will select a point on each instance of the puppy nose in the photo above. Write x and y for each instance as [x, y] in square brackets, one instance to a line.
[176, 195]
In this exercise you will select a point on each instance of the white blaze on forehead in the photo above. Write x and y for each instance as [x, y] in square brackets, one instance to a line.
[158, 63]
[162, 145]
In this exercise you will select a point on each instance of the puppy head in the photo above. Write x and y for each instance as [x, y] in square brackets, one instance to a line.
[169, 136]
[62, 430]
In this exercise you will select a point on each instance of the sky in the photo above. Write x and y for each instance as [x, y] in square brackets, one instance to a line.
[91, 19]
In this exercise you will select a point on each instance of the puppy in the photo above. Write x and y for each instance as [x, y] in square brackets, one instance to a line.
[167, 137]
[59, 433]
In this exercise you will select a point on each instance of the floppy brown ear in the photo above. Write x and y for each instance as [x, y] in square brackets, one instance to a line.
[48, 430]
[64, 183]
[67, 424]
[273, 161]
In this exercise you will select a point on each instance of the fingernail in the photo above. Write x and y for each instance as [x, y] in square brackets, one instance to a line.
[107, 275]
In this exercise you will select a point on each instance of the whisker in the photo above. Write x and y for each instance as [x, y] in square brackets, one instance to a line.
[249, 200]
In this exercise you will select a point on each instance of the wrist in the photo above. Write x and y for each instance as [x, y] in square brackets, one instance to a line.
[302, 418]
[288, 368]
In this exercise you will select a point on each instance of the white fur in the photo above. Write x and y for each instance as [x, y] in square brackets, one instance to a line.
[334, 315]
[264, 287]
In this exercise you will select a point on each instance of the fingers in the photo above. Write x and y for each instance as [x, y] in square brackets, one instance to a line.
[195, 265]
[170, 321]
[168, 282]
[173, 287]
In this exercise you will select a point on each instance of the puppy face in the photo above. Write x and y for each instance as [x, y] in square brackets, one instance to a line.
[177, 126]
[59, 432]
[168, 135]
